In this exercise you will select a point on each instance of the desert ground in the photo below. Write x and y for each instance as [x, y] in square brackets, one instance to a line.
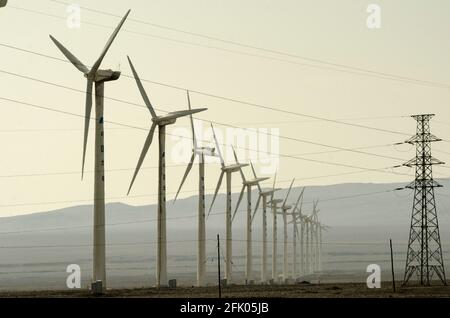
[299, 290]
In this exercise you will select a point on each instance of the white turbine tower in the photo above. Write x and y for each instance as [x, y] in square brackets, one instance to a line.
[161, 122]
[307, 221]
[295, 234]
[274, 205]
[199, 152]
[247, 185]
[313, 223]
[285, 208]
[98, 77]
[317, 232]
[228, 170]
[264, 194]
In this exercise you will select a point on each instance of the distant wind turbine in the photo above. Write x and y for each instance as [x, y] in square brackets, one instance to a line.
[264, 194]
[274, 204]
[99, 77]
[248, 184]
[199, 152]
[295, 234]
[284, 212]
[228, 170]
[161, 122]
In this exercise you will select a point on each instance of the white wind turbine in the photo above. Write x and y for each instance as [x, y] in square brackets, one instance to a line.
[307, 267]
[199, 152]
[324, 228]
[274, 204]
[161, 122]
[317, 232]
[295, 217]
[228, 171]
[98, 77]
[314, 236]
[247, 185]
[310, 223]
[264, 194]
[285, 208]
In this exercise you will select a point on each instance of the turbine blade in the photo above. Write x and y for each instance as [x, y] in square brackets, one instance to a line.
[142, 90]
[76, 62]
[256, 207]
[218, 148]
[239, 202]
[287, 194]
[194, 140]
[108, 45]
[147, 144]
[254, 174]
[87, 120]
[300, 197]
[237, 161]
[273, 188]
[188, 169]
[219, 183]
[183, 113]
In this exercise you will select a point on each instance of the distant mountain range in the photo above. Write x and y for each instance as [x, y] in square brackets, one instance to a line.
[35, 249]
[353, 204]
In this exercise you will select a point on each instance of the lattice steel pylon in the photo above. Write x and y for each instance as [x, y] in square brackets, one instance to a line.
[424, 256]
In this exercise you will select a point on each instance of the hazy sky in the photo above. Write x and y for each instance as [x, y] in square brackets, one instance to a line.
[412, 42]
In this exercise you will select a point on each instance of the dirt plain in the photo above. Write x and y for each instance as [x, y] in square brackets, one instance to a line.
[299, 290]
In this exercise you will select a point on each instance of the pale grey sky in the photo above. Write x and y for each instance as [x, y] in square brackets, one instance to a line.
[412, 41]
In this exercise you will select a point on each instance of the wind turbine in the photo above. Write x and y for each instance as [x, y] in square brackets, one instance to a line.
[307, 245]
[99, 77]
[248, 184]
[264, 194]
[161, 122]
[199, 152]
[295, 217]
[325, 228]
[314, 236]
[228, 170]
[274, 205]
[285, 208]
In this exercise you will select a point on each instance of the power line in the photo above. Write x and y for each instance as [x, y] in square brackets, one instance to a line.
[234, 100]
[215, 122]
[183, 217]
[59, 173]
[350, 69]
[177, 242]
[381, 170]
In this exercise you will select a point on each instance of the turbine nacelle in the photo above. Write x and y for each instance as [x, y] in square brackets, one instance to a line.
[172, 117]
[255, 181]
[103, 76]
[206, 151]
[234, 168]
[276, 201]
[270, 191]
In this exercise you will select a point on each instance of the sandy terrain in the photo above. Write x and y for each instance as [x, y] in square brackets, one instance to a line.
[303, 290]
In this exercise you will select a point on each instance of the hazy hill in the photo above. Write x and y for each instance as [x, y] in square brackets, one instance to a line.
[35, 249]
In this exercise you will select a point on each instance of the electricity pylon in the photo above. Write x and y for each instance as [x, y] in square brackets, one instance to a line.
[424, 256]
